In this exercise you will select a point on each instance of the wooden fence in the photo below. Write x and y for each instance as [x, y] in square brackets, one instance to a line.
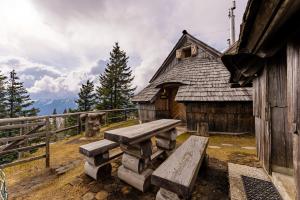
[25, 134]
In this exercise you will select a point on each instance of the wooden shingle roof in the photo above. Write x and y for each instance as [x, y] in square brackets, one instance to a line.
[199, 79]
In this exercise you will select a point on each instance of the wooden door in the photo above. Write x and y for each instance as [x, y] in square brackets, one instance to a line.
[293, 93]
[176, 110]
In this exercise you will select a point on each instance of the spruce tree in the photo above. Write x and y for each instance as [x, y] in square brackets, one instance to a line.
[115, 90]
[3, 102]
[18, 99]
[86, 101]
[54, 119]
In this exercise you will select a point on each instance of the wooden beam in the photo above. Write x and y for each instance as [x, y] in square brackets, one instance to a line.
[22, 161]
[16, 143]
[21, 137]
[179, 172]
[15, 126]
[64, 129]
[137, 133]
[3, 152]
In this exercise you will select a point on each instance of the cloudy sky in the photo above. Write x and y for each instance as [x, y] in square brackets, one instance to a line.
[54, 45]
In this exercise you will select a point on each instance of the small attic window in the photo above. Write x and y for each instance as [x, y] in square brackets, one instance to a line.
[187, 52]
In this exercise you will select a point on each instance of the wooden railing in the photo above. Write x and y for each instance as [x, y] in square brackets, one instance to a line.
[25, 134]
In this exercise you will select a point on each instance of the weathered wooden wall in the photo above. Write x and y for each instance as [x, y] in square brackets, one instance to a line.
[221, 116]
[177, 110]
[162, 108]
[293, 99]
[146, 112]
[274, 142]
[262, 133]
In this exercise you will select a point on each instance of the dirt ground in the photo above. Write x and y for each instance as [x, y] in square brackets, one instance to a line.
[33, 181]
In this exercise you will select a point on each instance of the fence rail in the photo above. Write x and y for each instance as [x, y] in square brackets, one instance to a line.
[25, 134]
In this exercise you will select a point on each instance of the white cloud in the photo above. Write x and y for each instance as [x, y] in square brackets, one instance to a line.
[65, 39]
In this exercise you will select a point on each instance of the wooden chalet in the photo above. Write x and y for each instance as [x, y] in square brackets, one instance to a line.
[192, 85]
[268, 53]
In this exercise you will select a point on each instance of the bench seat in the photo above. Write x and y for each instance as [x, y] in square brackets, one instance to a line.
[96, 148]
[179, 172]
[98, 158]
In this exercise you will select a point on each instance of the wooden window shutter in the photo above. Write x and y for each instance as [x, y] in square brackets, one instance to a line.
[194, 50]
[178, 53]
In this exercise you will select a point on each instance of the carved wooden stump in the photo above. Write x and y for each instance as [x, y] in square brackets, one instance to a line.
[92, 123]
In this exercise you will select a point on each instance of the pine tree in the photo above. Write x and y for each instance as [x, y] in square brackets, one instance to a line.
[115, 90]
[3, 102]
[86, 101]
[19, 103]
[54, 119]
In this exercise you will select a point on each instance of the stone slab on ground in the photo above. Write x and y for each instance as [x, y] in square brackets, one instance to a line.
[228, 145]
[213, 147]
[235, 172]
[249, 148]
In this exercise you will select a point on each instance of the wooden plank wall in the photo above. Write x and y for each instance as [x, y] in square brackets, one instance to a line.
[293, 99]
[221, 116]
[146, 112]
[282, 144]
[162, 108]
[274, 143]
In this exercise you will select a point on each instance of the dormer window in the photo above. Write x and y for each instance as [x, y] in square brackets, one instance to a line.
[186, 52]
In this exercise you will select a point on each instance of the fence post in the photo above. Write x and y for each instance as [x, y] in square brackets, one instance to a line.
[48, 135]
[106, 116]
[125, 114]
[79, 124]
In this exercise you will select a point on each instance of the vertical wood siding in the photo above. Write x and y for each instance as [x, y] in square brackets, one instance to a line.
[221, 116]
[293, 98]
[274, 142]
[146, 112]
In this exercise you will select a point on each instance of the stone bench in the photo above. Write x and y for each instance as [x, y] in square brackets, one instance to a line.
[177, 175]
[98, 158]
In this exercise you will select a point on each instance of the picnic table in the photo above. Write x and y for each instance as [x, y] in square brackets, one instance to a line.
[135, 142]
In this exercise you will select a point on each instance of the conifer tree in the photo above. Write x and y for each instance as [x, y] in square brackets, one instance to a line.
[54, 119]
[18, 99]
[3, 102]
[115, 90]
[86, 101]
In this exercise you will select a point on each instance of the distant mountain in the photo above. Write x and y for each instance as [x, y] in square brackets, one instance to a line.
[47, 106]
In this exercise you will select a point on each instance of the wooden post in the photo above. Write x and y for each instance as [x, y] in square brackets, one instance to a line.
[202, 129]
[106, 116]
[48, 134]
[20, 154]
[79, 124]
[125, 114]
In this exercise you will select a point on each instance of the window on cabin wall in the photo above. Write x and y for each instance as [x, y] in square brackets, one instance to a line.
[186, 52]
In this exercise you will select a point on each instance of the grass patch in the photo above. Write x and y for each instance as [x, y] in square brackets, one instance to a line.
[230, 148]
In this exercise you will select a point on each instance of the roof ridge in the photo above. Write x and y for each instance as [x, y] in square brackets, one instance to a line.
[184, 35]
